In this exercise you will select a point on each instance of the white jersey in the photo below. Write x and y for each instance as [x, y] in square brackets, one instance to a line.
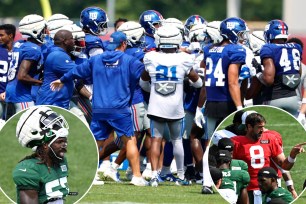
[167, 72]
[218, 135]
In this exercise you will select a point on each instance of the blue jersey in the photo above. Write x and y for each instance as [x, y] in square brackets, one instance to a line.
[149, 43]
[287, 61]
[4, 64]
[217, 60]
[56, 65]
[17, 91]
[139, 54]
[115, 76]
[92, 41]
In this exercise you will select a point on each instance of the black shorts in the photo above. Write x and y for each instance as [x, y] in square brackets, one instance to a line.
[219, 109]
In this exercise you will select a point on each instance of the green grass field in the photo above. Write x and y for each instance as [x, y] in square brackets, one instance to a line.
[82, 156]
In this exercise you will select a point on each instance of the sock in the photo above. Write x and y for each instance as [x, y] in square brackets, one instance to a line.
[178, 152]
[154, 174]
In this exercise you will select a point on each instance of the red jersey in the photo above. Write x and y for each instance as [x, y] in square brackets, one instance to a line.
[279, 139]
[256, 154]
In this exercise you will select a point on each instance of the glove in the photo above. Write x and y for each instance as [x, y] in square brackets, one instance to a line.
[257, 66]
[199, 117]
[301, 118]
[200, 72]
[194, 46]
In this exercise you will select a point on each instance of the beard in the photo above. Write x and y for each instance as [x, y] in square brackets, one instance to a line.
[55, 161]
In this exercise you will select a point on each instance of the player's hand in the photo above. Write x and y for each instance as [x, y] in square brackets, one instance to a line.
[297, 149]
[56, 85]
[201, 72]
[199, 118]
[194, 46]
[2, 96]
[256, 65]
[301, 118]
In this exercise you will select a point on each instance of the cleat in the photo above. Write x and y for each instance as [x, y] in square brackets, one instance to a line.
[139, 181]
[113, 174]
[190, 173]
[168, 177]
[207, 190]
[181, 182]
[147, 174]
[198, 179]
[154, 182]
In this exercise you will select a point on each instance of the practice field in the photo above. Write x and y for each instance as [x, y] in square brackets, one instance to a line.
[82, 156]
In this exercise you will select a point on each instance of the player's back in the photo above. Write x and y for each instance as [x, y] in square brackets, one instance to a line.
[217, 60]
[167, 72]
[241, 178]
[4, 62]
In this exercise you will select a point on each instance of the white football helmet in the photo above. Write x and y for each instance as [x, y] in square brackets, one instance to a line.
[78, 36]
[174, 22]
[213, 31]
[257, 40]
[134, 32]
[56, 22]
[39, 125]
[197, 33]
[168, 37]
[33, 26]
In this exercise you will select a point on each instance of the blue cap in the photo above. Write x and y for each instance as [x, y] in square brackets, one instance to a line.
[115, 40]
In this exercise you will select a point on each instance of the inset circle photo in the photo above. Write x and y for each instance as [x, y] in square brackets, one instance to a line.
[47, 155]
[257, 154]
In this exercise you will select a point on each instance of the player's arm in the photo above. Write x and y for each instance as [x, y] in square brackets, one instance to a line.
[289, 183]
[287, 163]
[196, 80]
[233, 84]
[144, 81]
[23, 73]
[243, 197]
[268, 73]
[28, 196]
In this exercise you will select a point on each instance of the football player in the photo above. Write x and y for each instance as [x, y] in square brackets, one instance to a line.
[267, 182]
[150, 20]
[282, 62]
[166, 70]
[46, 130]
[26, 61]
[114, 75]
[254, 149]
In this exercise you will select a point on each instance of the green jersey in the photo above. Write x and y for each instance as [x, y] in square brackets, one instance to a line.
[240, 178]
[281, 193]
[237, 164]
[50, 183]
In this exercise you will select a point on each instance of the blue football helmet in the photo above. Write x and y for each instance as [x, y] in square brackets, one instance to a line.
[95, 20]
[148, 19]
[235, 30]
[276, 29]
[191, 21]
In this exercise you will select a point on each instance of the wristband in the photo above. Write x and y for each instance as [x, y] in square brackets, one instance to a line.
[304, 100]
[291, 160]
[289, 183]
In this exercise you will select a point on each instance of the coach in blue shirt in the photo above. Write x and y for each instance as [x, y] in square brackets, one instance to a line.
[58, 63]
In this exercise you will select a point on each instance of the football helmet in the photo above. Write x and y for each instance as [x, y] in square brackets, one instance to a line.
[78, 36]
[150, 18]
[191, 21]
[198, 33]
[33, 26]
[213, 32]
[39, 125]
[276, 29]
[168, 37]
[235, 30]
[257, 40]
[57, 21]
[176, 23]
[94, 19]
[134, 32]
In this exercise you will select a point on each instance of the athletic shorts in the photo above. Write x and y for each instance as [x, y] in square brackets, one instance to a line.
[102, 128]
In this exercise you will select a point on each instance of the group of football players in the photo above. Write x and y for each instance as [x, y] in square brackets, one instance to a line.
[194, 74]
